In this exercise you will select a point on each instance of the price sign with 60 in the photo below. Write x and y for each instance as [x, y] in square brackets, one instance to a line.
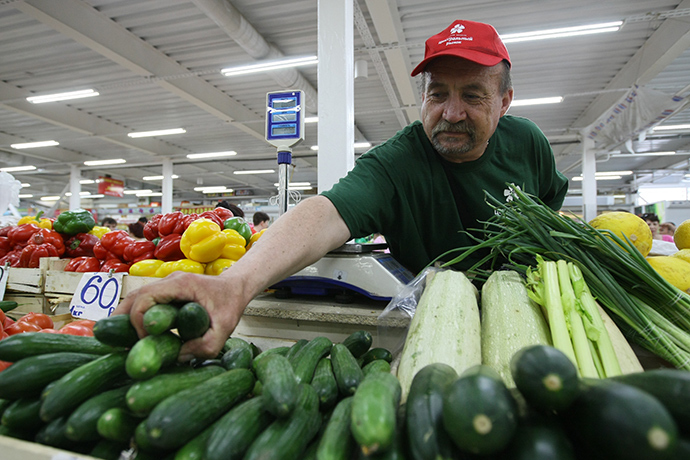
[96, 296]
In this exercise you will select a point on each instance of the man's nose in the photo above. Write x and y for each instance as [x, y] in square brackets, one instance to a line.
[454, 110]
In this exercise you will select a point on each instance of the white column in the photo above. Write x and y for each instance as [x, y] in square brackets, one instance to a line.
[589, 181]
[74, 188]
[167, 187]
[336, 128]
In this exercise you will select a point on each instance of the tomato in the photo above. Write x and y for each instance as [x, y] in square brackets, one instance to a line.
[39, 319]
[49, 330]
[4, 365]
[2, 318]
[19, 327]
[8, 322]
[84, 322]
[3, 335]
[76, 329]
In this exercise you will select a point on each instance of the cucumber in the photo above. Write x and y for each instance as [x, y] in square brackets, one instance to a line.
[347, 372]
[374, 411]
[141, 440]
[236, 430]
[324, 383]
[180, 417]
[116, 331]
[540, 439]
[8, 305]
[53, 434]
[618, 421]
[196, 448]
[23, 414]
[271, 351]
[236, 342]
[374, 354]
[546, 377]
[670, 386]
[305, 360]
[192, 321]
[358, 343]
[294, 349]
[25, 435]
[160, 318]
[337, 442]
[279, 385]
[424, 413]
[82, 422]
[479, 412]
[144, 395]
[287, 438]
[4, 404]
[19, 346]
[116, 424]
[152, 353]
[75, 387]
[28, 377]
[108, 450]
[378, 365]
[237, 358]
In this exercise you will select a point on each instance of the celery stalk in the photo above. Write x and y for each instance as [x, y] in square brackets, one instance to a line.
[552, 302]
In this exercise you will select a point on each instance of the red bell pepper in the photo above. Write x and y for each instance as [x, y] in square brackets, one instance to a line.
[116, 242]
[139, 250]
[21, 234]
[31, 254]
[115, 265]
[218, 215]
[4, 231]
[5, 245]
[83, 264]
[45, 235]
[175, 222]
[151, 227]
[81, 245]
[168, 248]
[101, 253]
[11, 258]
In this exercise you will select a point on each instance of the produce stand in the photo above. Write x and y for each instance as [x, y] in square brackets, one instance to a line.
[16, 449]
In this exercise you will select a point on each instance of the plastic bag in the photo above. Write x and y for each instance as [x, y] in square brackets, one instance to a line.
[9, 191]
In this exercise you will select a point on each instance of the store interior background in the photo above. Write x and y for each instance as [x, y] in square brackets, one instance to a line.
[157, 64]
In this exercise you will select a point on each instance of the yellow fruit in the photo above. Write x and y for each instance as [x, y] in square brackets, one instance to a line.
[673, 269]
[683, 254]
[625, 223]
[682, 235]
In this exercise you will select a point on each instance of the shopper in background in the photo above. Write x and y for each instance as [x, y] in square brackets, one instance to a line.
[653, 222]
[420, 189]
[236, 211]
[261, 221]
[136, 229]
[109, 222]
[668, 229]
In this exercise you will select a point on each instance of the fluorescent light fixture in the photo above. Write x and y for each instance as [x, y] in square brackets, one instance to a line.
[296, 184]
[83, 194]
[300, 188]
[134, 192]
[116, 161]
[150, 194]
[97, 195]
[537, 101]
[213, 188]
[50, 198]
[62, 96]
[18, 168]
[644, 154]
[619, 196]
[194, 156]
[579, 178]
[87, 181]
[670, 127]
[255, 171]
[174, 176]
[33, 145]
[25, 184]
[356, 145]
[563, 32]
[25, 195]
[613, 173]
[160, 132]
[269, 65]
[311, 119]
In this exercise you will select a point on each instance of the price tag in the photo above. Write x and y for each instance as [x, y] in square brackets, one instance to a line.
[96, 296]
[4, 274]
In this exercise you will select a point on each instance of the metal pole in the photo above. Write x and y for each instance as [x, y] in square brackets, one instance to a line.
[284, 161]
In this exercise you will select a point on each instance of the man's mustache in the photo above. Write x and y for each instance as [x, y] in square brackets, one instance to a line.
[459, 127]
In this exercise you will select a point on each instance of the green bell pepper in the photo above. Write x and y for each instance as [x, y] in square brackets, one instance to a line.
[240, 225]
[73, 222]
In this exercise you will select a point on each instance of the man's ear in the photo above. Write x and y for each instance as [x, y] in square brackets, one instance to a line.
[506, 100]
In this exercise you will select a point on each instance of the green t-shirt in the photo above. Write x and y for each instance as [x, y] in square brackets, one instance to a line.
[400, 189]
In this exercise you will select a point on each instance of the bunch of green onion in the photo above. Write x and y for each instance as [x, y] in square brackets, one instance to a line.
[648, 310]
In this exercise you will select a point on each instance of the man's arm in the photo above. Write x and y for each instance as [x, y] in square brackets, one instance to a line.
[298, 238]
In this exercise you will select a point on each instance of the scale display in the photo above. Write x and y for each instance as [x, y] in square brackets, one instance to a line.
[284, 118]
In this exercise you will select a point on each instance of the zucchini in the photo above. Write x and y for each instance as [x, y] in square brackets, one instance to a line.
[294, 349]
[358, 343]
[27, 377]
[192, 321]
[116, 331]
[160, 318]
[337, 442]
[287, 438]
[510, 320]
[116, 424]
[546, 377]
[447, 305]
[618, 421]
[347, 372]
[82, 423]
[8, 305]
[378, 365]
[182, 416]
[540, 439]
[236, 430]
[374, 411]
[144, 395]
[374, 354]
[479, 412]
[23, 414]
[75, 387]
[152, 353]
[279, 385]
[19, 346]
[306, 359]
[324, 383]
[427, 438]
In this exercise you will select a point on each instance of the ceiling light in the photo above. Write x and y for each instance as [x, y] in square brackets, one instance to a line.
[87, 181]
[160, 132]
[579, 178]
[356, 145]
[33, 145]
[25, 184]
[670, 127]
[562, 32]
[296, 184]
[50, 198]
[269, 65]
[149, 193]
[212, 154]
[97, 195]
[25, 195]
[644, 154]
[613, 173]
[62, 96]
[174, 176]
[255, 171]
[300, 188]
[80, 193]
[537, 101]
[134, 192]
[311, 119]
[214, 188]
[116, 161]
[18, 168]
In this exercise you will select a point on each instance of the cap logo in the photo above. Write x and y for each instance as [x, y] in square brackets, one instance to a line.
[455, 38]
[457, 29]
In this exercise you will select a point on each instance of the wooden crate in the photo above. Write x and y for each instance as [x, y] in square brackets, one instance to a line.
[26, 304]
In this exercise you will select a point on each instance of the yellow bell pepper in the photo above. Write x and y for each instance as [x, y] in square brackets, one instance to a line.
[37, 220]
[254, 238]
[146, 267]
[218, 266]
[234, 248]
[203, 241]
[99, 231]
[182, 265]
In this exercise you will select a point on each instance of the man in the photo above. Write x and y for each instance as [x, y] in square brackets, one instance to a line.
[420, 189]
[260, 221]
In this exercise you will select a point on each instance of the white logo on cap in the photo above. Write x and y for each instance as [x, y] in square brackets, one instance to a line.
[457, 29]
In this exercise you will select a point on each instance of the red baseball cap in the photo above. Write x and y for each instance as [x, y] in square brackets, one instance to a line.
[474, 41]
